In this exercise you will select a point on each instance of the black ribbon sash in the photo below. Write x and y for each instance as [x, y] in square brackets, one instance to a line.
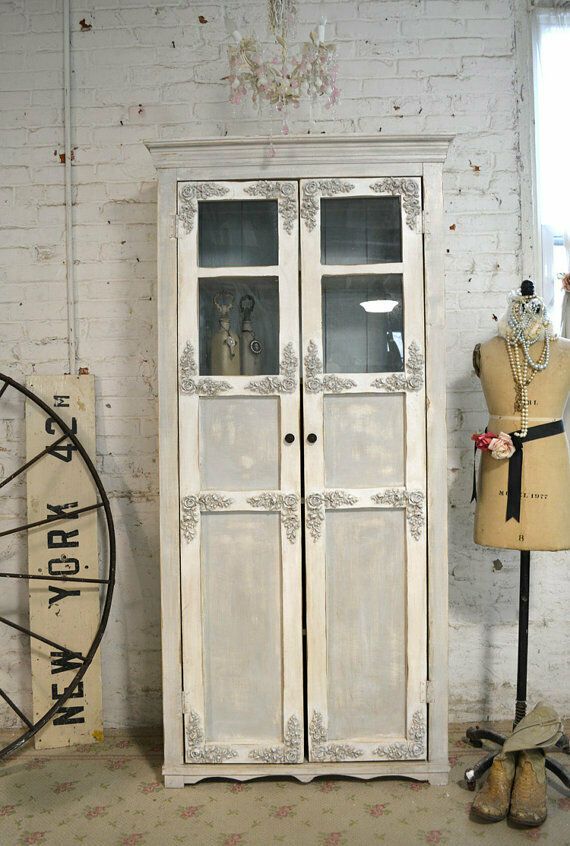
[514, 491]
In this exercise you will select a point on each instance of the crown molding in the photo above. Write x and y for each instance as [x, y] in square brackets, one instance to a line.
[304, 156]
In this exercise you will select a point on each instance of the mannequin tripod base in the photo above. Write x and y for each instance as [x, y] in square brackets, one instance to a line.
[476, 736]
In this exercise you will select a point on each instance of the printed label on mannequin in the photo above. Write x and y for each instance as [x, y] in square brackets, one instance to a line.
[526, 495]
[517, 404]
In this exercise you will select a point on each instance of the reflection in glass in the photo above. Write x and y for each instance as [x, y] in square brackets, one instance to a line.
[361, 230]
[239, 326]
[237, 233]
[363, 323]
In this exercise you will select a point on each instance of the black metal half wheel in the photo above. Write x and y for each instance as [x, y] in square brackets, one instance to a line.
[105, 580]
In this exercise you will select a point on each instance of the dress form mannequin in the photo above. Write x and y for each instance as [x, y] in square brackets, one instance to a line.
[526, 402]
[544, 523]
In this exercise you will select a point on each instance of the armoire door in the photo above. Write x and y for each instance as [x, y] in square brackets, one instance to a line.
[365, 467]
[239, 472]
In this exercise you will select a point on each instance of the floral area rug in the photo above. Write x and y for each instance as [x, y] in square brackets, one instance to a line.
[111, 794]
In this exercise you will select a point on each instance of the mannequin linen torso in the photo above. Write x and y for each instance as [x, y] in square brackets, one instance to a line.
[544, 522]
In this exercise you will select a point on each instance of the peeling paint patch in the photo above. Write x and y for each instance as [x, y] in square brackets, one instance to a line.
[44, 253]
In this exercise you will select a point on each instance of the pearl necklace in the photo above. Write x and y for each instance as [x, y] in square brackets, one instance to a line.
[522, 378]
[520, 322]
[527, 324]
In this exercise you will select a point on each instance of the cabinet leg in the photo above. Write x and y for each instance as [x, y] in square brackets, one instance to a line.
[438, 779]
[173, 781]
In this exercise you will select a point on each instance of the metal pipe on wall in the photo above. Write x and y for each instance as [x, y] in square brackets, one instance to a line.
[69, 267]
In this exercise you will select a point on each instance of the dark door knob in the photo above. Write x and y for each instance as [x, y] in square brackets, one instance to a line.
[289, 438]
[312, 438]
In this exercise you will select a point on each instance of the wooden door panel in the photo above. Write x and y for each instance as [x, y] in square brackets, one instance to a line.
[239, 443]
[363, 440]
[365, 472]
[240, 496]
[366, 623]
[241, 599]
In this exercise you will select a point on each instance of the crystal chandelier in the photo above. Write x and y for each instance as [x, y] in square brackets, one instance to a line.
[280, 78]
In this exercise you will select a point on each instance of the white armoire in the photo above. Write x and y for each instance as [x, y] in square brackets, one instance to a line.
[303, 502]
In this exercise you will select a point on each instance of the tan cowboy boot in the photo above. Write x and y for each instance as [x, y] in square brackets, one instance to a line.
[528, 799]
[492, 801]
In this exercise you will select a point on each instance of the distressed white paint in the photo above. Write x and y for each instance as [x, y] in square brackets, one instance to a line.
[365, 606]
[230, 457]
[222, 684]
[360, 457]
[405, 67]
[363, 440]
[413, 670]
[241, 600]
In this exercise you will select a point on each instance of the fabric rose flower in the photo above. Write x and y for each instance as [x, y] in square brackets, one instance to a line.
[482, 441]
[501, 446]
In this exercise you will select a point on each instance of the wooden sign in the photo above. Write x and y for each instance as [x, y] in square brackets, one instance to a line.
[64, 612]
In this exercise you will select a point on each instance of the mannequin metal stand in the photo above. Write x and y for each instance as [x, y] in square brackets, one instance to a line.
[475, 736]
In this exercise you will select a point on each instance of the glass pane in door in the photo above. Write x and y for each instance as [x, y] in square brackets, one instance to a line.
[361, 230]
[239, 325]
[363, 323]
[237, 233]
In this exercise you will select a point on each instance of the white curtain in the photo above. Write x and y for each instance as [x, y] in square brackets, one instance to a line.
[565, 322]
[552, 52]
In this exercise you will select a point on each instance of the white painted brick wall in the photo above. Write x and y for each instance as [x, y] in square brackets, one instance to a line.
[146, 71]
